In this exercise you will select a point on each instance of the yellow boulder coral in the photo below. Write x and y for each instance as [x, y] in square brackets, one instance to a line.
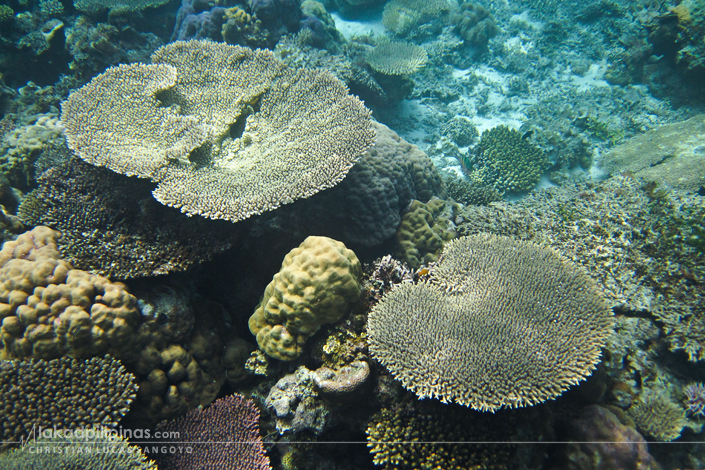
[316, 285]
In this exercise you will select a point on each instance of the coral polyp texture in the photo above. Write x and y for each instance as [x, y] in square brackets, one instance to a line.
[93, 6]
[397, 58]
[223, 436]
[658, 417]
[501, 323]
[64, 393]
[50, 310]
[225, 131]
[97, 447]
[317, 284]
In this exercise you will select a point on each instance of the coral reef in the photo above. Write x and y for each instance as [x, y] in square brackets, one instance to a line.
[506, 161]
[131, 234]
[225, 435]
[397, 58]
[537, 304]
[423, 231]
[96, 447]
[230, 178]
[62, 393]
[93, 6]
[317, 284]
[469, 194]
[695, 398]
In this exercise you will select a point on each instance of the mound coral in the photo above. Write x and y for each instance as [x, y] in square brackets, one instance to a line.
[423, 231]
[317, 284]
[63, 393]
[280, 135]
[474, 24]
[49, 310]
[223, 436]
[502, 323]
[402, 16]
[505, 160]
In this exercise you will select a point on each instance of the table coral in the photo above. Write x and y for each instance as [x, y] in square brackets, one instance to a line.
[317, 284]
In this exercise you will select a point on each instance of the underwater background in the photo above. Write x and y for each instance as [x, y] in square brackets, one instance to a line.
[352, 234]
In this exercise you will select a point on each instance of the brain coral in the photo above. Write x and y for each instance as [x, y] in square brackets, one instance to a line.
[66, 450]
[227, 132]
[50, 310]
[502, 323]
[507, 161]
[64, 393]
[317, 284]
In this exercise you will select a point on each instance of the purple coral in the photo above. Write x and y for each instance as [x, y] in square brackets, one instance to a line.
[223, 436]
[695, 398]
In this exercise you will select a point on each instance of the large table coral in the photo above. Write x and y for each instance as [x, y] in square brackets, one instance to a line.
[227, 132]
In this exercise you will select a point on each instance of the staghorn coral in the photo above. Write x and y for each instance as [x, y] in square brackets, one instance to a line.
[63, 393]
[429, 435]
[506, 161]
[50, 310]
[317, 284]
[130, 234]
[423, 231]
[490, 301]
[225, 435]
[658, 417]
[469, 194]
[304, 135]
[95, 448]
[397, 58]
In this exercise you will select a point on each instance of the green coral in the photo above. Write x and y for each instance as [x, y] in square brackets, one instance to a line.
[507, 161]
[317, 284]
[6, 14]
[91, 449]
[423, 231]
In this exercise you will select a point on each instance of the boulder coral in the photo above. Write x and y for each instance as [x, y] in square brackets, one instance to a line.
[50, 310]
[317, 284]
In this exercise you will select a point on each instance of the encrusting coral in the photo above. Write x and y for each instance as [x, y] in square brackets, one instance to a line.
[280, 135]
[63, 393]
[502, 323]
[317, 284]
